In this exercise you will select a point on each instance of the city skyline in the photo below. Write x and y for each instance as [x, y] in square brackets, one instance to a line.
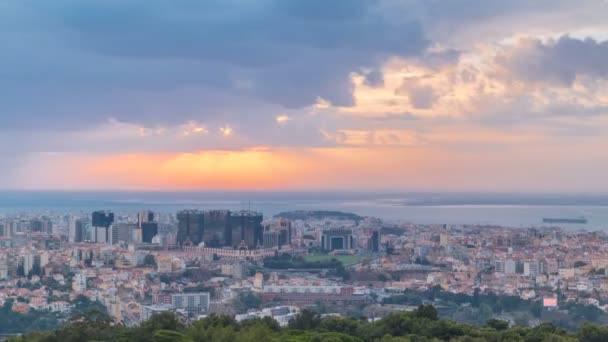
[312, 95]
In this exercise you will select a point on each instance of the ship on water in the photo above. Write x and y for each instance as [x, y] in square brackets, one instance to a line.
[579, 220]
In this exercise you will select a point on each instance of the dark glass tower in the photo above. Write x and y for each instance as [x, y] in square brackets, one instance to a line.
[247, 227]
[190, 227]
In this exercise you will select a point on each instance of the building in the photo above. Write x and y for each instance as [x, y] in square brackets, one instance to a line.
[151, 310]
[499, 266]
[282, 227]
[43, 259]
[258, 282]
[192, 303]
[444, 238]
[5, 229]
[101, 222]
[271, 239]
[217, 229]
[101, 234]
[190, 227]
[164, 264]
[43, 225]
[123, 232]
[80, 233]
[3, 267]
[148, 231]
[373, 244]
[28, 263]
[247, 229]
[309, 295]
[337, 239]
[79, 282]
[145, 216]
[510, 266]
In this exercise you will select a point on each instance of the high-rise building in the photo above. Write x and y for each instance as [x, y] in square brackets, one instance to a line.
[28, 263]
[5, 229]
[190, 227]
[374, 242]
[216, 228]
[148, 231]
[246, 227]
[80, 233]
[102, 219]
[43, 259]
[282, 227]
[123, 232]
[101, 234]
[41, 225]
[145, 216]
[271, 239]
[3, 267]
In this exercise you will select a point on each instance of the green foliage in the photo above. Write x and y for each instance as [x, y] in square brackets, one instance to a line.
[497, 324]
[150, 261]
[285, 261]
[245, 301]
[420, 325]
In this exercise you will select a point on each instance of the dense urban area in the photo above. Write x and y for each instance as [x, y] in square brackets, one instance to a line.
[323, 271]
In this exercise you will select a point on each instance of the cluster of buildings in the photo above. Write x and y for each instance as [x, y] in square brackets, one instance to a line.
[198, 262]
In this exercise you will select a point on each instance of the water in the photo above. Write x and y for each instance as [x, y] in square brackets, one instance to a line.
[514, 210]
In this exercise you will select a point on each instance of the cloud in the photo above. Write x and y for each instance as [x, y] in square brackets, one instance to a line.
[374, 78]
[226, 131]
[558, 61]
[313, 44]
[281, 119]
[420, 96]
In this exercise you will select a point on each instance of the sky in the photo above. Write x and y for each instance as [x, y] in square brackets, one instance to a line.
[424, 95]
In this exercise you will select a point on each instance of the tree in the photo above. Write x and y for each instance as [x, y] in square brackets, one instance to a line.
[427, 311]
[150, 261]
[497, 324]
[245, 301]
[306, 320]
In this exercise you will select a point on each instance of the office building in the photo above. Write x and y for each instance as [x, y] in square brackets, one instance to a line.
[145, 216]
[41, 225]
[190, 225]
[101, 221]
[216, 228]
[5, 229]
[271, 239]
[373, 244]
[123, 232]
[337, 239]
[80, 233]
[148, 231]
[192, 303]
[247, 229]
[283, 228]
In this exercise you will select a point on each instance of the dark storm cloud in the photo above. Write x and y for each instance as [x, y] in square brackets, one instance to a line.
[69, 63]
[68, 59]
[290, 52]
[558, 62]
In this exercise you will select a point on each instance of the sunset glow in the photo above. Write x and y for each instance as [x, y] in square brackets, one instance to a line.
[458, 101]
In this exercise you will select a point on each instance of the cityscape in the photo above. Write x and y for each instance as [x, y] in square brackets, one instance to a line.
[304, 171]
[198, 263]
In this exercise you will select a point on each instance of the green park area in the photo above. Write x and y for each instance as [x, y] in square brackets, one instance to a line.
[346, 260]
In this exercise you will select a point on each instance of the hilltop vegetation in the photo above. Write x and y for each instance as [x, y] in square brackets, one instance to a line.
[420, 325]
